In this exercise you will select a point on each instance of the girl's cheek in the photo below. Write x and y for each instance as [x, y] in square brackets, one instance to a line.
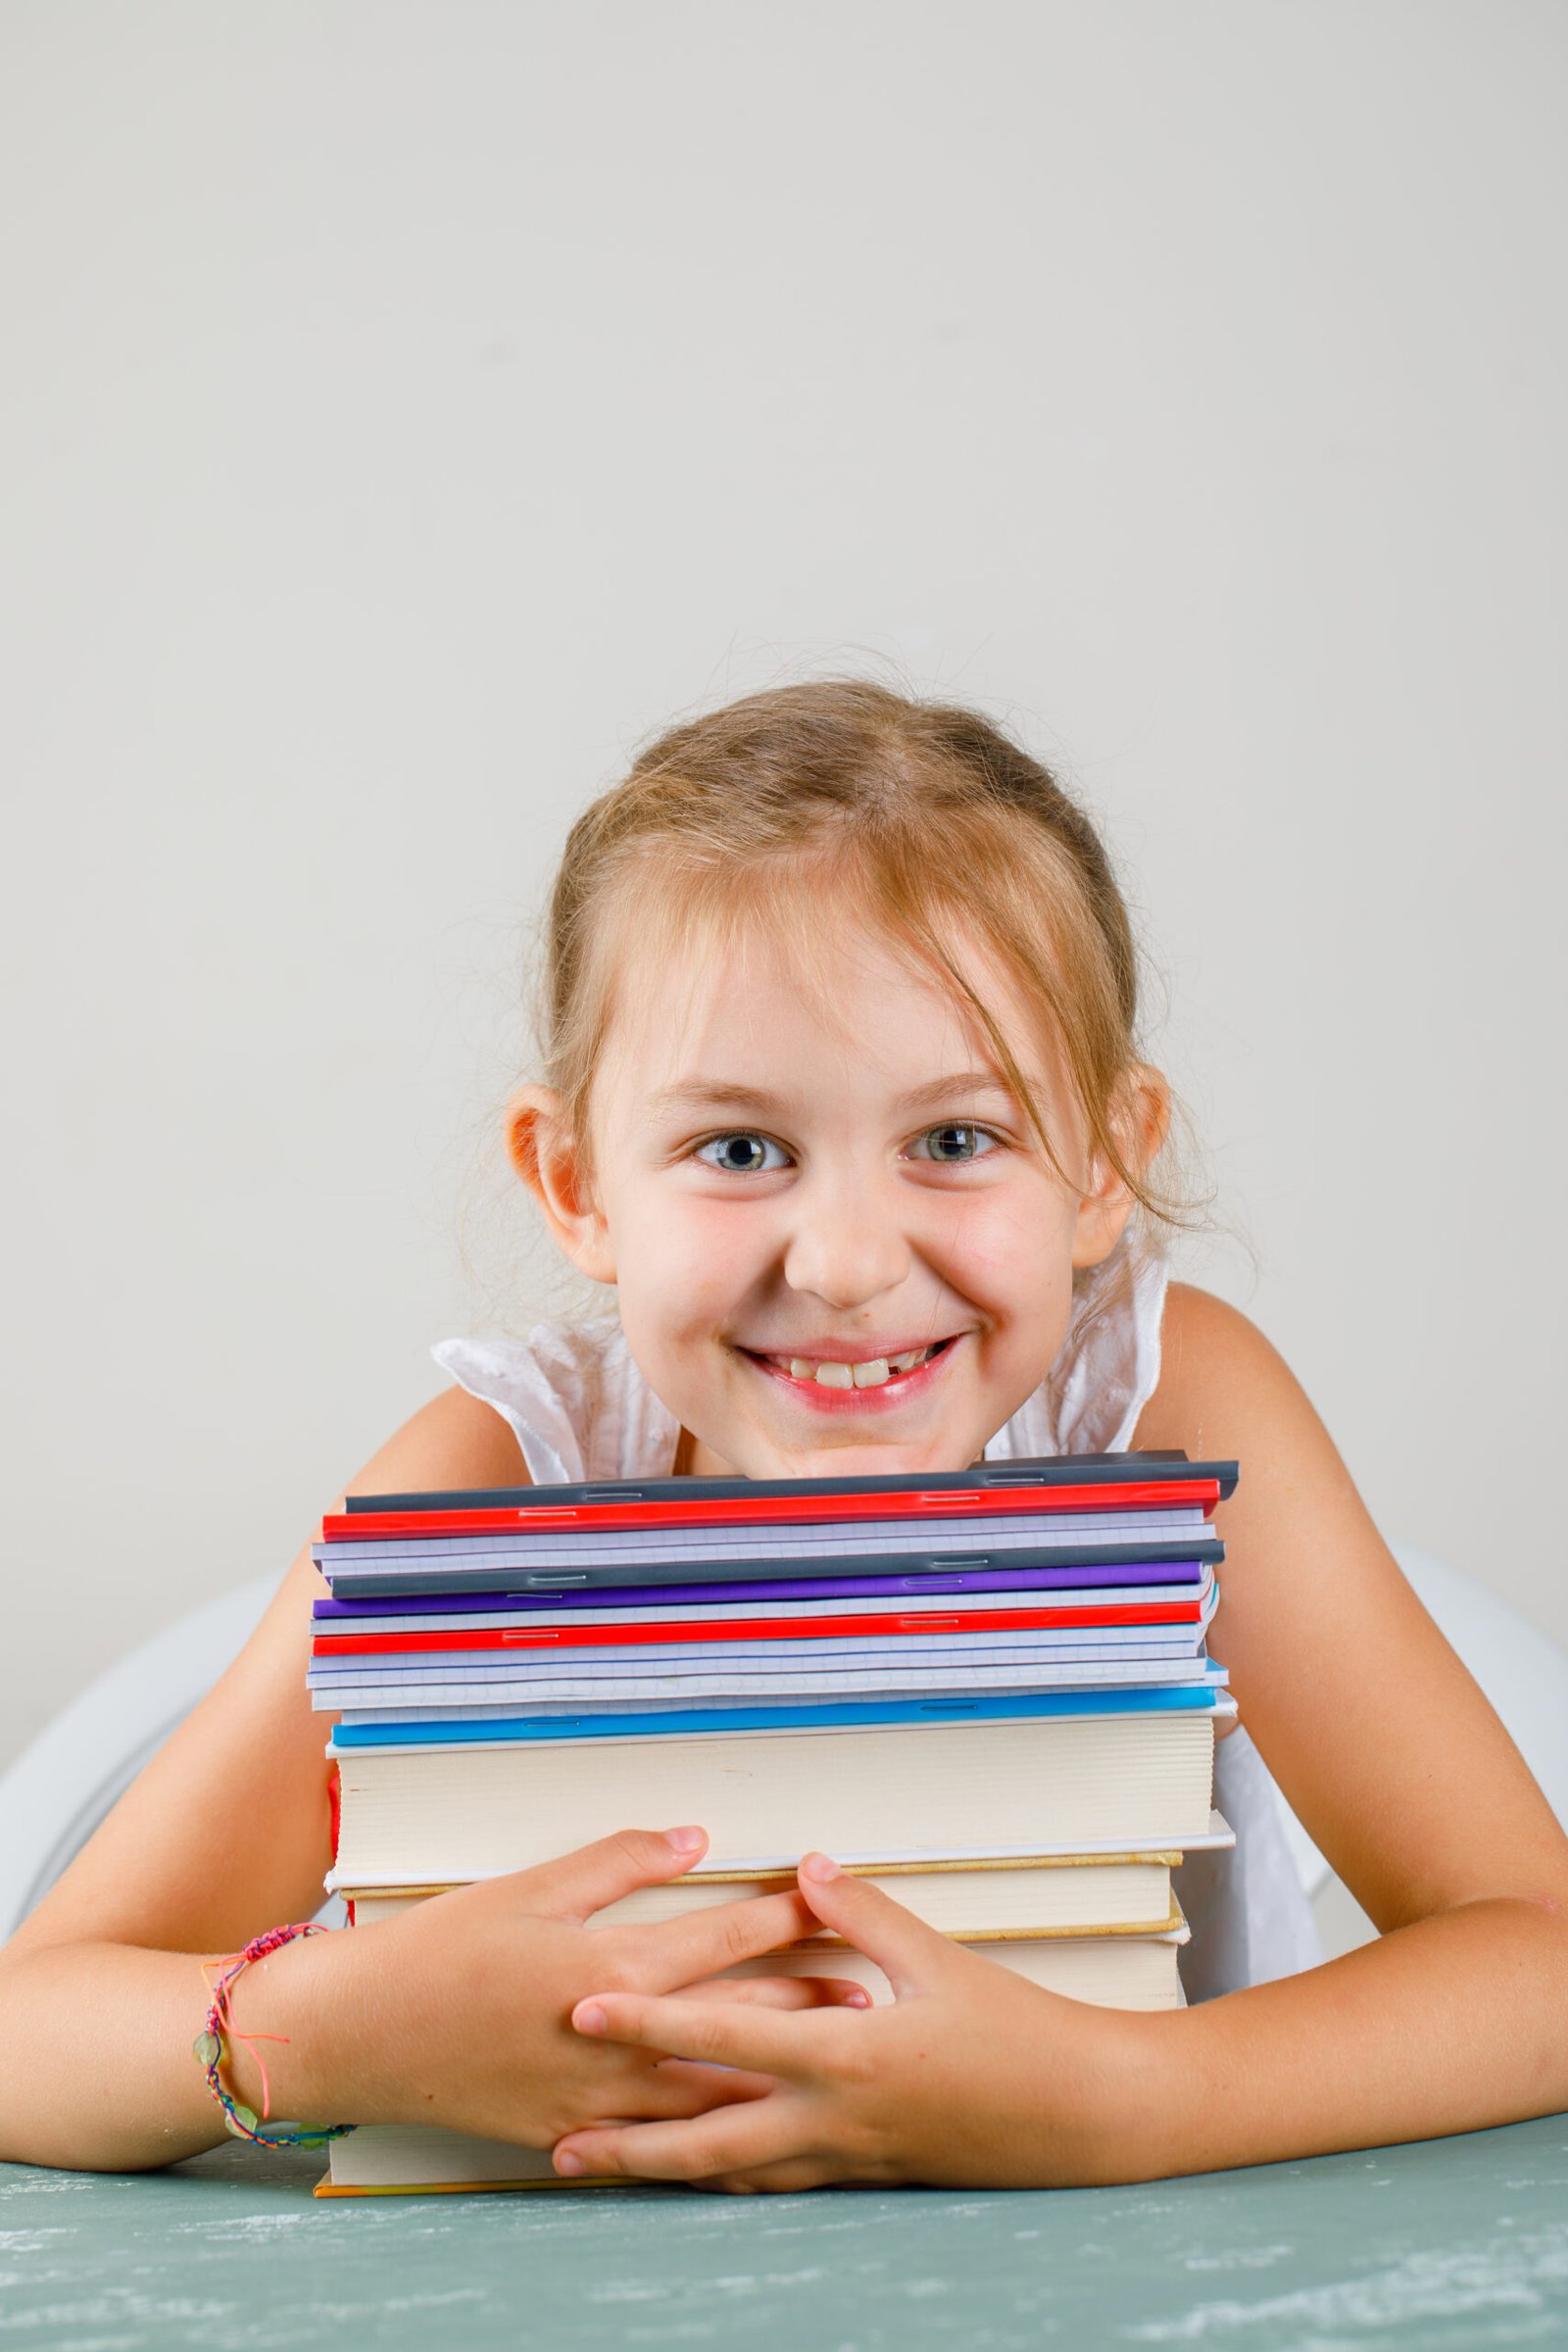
[698, 1252]
[997, 1239]
[698, 1227]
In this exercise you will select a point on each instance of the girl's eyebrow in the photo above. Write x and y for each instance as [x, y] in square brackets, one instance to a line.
[722, 1094]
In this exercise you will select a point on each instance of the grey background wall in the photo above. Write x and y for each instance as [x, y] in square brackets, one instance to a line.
[407, 408]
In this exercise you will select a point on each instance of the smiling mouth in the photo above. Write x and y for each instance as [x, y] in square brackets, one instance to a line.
[881, 1372]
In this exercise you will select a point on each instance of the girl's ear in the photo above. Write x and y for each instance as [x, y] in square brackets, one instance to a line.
[548, 1158]
[1139, 1116]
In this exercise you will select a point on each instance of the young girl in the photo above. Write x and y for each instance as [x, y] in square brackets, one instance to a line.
[844, 1099]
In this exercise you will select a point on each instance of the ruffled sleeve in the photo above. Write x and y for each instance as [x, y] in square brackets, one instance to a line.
[573, 1400]
[1107, 1371]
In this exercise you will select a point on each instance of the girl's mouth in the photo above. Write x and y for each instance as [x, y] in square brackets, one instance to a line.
[830, 1387]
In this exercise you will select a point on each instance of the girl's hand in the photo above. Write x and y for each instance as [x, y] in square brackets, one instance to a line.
[971, 2076]
[457, 2011]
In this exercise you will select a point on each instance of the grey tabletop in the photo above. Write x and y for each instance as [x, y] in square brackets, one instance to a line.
[1443, 2243]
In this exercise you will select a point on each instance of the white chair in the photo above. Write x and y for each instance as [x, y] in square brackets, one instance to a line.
[59, 1788]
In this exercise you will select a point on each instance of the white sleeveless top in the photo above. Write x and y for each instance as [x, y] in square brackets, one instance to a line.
[580, 1410]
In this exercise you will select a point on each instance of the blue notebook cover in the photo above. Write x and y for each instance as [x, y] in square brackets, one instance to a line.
[509, 1730]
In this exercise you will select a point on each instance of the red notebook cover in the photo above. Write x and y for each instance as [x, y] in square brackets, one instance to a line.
[776, 1510]
[761, 1628]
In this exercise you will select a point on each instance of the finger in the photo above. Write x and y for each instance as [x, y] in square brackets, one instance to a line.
[703, 1942]
[675, 2088]
[912, 1957]
[585, 1881]
[727, 2140]
[781, 1992]
[773, 2180]
[715, 2033]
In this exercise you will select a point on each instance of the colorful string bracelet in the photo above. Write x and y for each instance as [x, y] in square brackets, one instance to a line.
[210, 2047]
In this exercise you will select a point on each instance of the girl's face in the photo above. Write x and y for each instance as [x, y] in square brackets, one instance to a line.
[837, 1245]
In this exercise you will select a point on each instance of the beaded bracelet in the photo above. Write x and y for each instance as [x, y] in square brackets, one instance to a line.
[211, 2049]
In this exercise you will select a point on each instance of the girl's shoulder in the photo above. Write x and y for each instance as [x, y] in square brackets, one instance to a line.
[1226, 1393]
[1218, 1375]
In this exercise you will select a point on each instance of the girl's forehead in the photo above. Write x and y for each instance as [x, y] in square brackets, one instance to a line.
[759, 1004]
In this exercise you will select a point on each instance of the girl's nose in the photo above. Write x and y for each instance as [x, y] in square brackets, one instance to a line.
[848, 1245]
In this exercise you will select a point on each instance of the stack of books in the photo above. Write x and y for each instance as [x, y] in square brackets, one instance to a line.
[986, 1689]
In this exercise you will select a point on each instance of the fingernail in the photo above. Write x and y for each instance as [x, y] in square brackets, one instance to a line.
[858, 1999]
[687, 1840]
[819, 1867]
[589, 2018]
[567, 2164]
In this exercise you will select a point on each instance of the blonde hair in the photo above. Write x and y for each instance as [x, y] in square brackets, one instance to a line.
[925, 818]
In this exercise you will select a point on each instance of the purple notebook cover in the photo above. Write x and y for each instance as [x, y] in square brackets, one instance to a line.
[823, 1587]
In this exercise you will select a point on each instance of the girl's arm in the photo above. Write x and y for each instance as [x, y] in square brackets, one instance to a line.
[1401, 1773]
[228, 1831]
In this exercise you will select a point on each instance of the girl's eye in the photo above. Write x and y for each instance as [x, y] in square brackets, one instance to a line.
[741, 1154]
[956, 1142]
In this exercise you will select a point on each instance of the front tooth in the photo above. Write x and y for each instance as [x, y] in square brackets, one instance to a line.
[800, 1369]
[834, 1376]
[872, 1375]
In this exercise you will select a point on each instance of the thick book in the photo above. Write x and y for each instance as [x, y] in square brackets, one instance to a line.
[709, 1883]
[986, 1899]
[881, 1783]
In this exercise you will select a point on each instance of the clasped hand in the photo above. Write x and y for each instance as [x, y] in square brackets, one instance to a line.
[971, 2076]
[457, 2011]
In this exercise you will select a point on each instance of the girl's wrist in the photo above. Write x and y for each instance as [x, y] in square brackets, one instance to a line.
[1148, 2092]
[291, 2003]
[1104, 2117]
